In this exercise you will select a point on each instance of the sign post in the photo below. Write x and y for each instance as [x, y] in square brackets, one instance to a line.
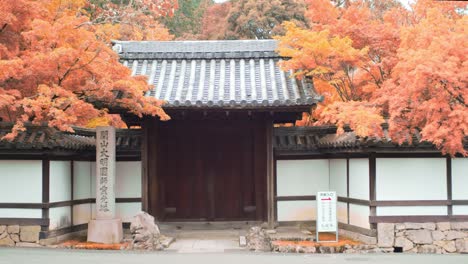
[326, 214]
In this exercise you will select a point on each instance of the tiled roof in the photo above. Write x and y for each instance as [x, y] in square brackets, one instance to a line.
[46, 138]
[324, 138]
[216, 74]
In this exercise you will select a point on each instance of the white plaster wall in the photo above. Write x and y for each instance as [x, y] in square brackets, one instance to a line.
[297, 210]
[60, 217]
[411, 179]
[126, 211]
[128, 179]
[20, 213]
[359, 215]
[342, 212]
[359, 178]
[460, 179]
[21, 182]
[81, 214]
[82, 180]
[338, 176]
[412, 210]
[460, 209]
[301, 177]
[60, 181]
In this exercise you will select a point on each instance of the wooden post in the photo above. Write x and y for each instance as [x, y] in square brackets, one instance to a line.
[372, 180]
[144, 166]
[45, 190]
[449, 186]
[270, 175]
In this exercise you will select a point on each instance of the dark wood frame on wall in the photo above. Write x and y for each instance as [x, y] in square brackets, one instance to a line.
[372, 202]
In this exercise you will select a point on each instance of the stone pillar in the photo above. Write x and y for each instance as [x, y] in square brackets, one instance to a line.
[106, 228]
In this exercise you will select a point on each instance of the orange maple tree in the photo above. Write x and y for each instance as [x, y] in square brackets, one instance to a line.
[54, 69]
[378, 62]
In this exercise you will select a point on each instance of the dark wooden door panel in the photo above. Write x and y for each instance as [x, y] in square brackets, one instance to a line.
[207, 170]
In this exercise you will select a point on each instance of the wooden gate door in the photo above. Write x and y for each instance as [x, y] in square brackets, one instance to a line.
[206, 171]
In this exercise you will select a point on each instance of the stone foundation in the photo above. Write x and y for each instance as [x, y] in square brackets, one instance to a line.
[20, 236]
[436, 238]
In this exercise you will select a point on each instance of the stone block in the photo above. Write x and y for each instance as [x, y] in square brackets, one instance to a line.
[2, 228]
[13, 229]
[421, 236]
[459, 225]
[438, 235]
[7, 241]
[416, 226]
[30, 233]
[449, 246]
[15, 237]
[400, 227]
[385, 234]
[443, 226]
[429, 249]
[405, 243]
[3, 235]
[461, 245]
[451, 235]
[108, 231]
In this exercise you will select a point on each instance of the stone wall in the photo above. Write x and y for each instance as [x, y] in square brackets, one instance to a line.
[438, 238]
[20, 236]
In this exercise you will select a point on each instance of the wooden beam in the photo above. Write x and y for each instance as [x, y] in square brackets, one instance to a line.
[45, 191]
[416, 218]
[372, 185]
[144, 165]
[410, 203]
[270, 174]
[25, 221]
[296, 198]
[72, 179]
[449, 184]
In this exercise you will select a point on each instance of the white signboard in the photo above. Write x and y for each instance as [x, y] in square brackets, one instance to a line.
[326, 213]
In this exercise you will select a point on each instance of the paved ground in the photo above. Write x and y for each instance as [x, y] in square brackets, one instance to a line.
[60, 256]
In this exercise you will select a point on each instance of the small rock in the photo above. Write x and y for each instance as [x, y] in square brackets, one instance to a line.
[25, 244]
[421, 236]
[404, 243]
[13, 229]
[258, 239]
[459, 225]
[385, 234]
[15, 237]
[451, 235]
[438, 235]
[310, 250]
[242, 241]
[146, 234]
[7, 241]
[443, 226]
[270, 231]
[30, 233]
[306, 232]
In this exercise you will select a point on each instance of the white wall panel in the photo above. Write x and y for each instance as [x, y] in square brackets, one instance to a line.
[126, 211]
[359, 178]
[128, 179]
[460, 209]
[60, 181]
[21, 181]
[359, 215]
[342, 212]
[302, 177]
[82, 180]
[460, 178]
[59, 217]
[81, 214]
[412, 210]
[411, 179]
[20, 213]
[297, 210]
[338, 176]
